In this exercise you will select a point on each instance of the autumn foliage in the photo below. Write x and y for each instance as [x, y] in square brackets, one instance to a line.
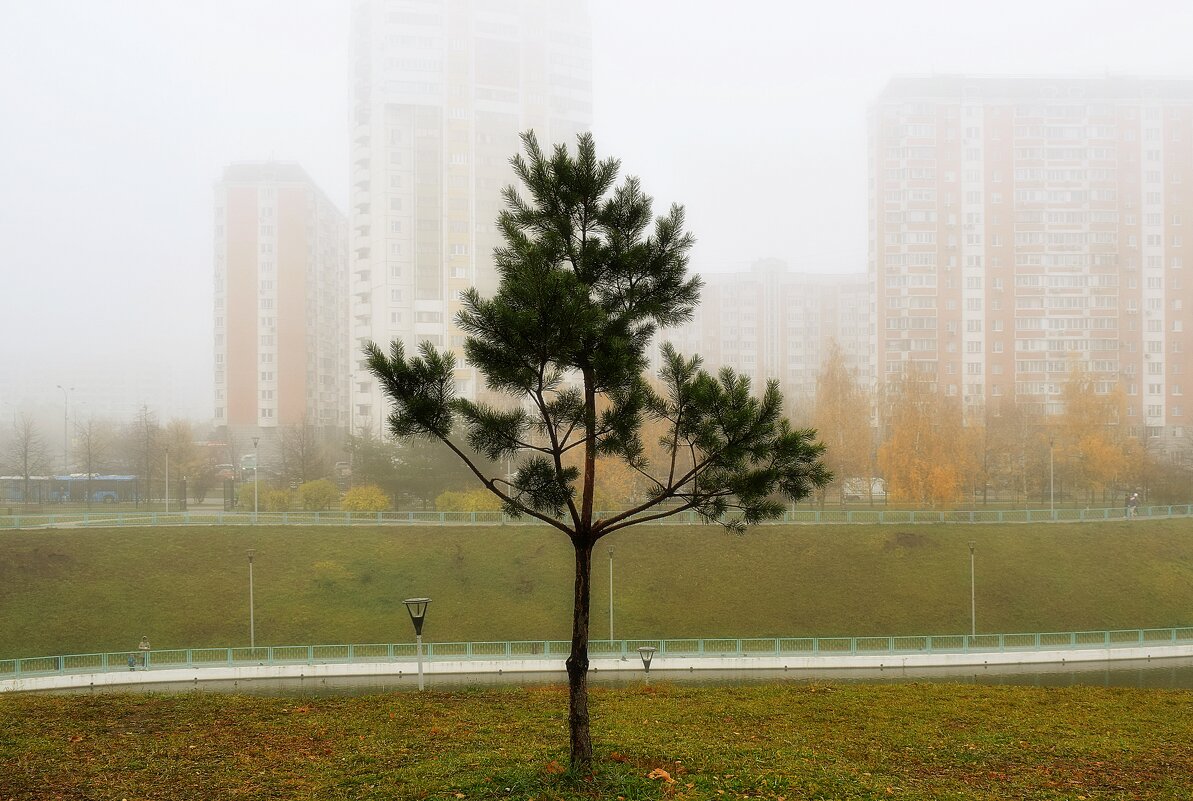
[928, 455]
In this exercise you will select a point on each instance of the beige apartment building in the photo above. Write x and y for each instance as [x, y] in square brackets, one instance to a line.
[1020, 224]
[281, 336]
[772, 323]
[441, 91]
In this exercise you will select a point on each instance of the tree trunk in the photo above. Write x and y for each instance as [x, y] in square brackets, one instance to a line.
[577, 662]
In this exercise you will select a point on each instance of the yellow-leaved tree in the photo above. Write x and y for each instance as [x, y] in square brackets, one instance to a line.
[841, 415]
[1092, 450]
[927, 457]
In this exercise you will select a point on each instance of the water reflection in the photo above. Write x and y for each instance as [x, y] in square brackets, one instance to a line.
[1151, 674]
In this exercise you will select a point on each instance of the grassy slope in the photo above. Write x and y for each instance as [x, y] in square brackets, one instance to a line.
[915, 742]
[71, 591]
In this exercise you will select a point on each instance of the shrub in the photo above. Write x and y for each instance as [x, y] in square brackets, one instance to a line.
[365, 498]
[244, 497]
[476, 500]
[275, 500]
[317, 495]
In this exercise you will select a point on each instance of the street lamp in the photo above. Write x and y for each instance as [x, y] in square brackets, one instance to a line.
[417, 607]
[1051, 480]
[167, 479]
[256, 472]
[973, 608]
[610, 593]
[252, 622]
[647, 654]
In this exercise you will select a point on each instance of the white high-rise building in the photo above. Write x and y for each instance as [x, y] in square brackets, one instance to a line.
[441, 91]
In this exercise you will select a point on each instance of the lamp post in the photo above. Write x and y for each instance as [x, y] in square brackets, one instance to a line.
[610, 593]
[256, 472]
[167, 479]
[417, 607]
[647, 654]
[65, 429]
[1051, 480]
[252, 622]
[973, 607]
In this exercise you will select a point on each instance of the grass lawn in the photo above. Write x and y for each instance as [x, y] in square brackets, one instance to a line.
[80, 591]
[925, 741]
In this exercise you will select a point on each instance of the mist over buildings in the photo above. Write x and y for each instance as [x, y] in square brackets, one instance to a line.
[122, 117]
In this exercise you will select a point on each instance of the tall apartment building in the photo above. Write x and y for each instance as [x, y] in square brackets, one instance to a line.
[441, 91]
[1020, 224]
[281, 335]
[771, 323]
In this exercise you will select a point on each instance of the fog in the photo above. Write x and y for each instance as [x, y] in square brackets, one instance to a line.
[119, 116]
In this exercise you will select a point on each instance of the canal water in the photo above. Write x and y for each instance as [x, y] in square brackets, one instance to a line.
[1152, 674]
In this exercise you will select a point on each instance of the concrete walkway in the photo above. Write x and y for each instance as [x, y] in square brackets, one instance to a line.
[407, 668]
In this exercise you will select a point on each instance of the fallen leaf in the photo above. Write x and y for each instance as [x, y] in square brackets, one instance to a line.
[554, 767]
[659, 773]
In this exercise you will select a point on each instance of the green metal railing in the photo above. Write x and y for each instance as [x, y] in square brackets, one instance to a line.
[809, 516]
[598, 650]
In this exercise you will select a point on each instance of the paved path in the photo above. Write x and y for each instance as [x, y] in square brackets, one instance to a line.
[406, 669]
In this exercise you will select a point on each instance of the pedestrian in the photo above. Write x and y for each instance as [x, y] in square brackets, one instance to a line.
[1133, 504]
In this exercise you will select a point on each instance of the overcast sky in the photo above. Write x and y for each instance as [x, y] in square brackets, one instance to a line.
[118, 116]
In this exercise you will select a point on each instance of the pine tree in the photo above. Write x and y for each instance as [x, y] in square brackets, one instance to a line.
[584, 286]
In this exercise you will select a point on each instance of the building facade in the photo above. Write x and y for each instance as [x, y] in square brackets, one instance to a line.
[770, 323]
[441, 91]
[1019, 226]
[281, 335]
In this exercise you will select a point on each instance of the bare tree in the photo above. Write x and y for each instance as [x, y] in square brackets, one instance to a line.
[144, 434]
[303, 455]
[28, 452]
[94, 443]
